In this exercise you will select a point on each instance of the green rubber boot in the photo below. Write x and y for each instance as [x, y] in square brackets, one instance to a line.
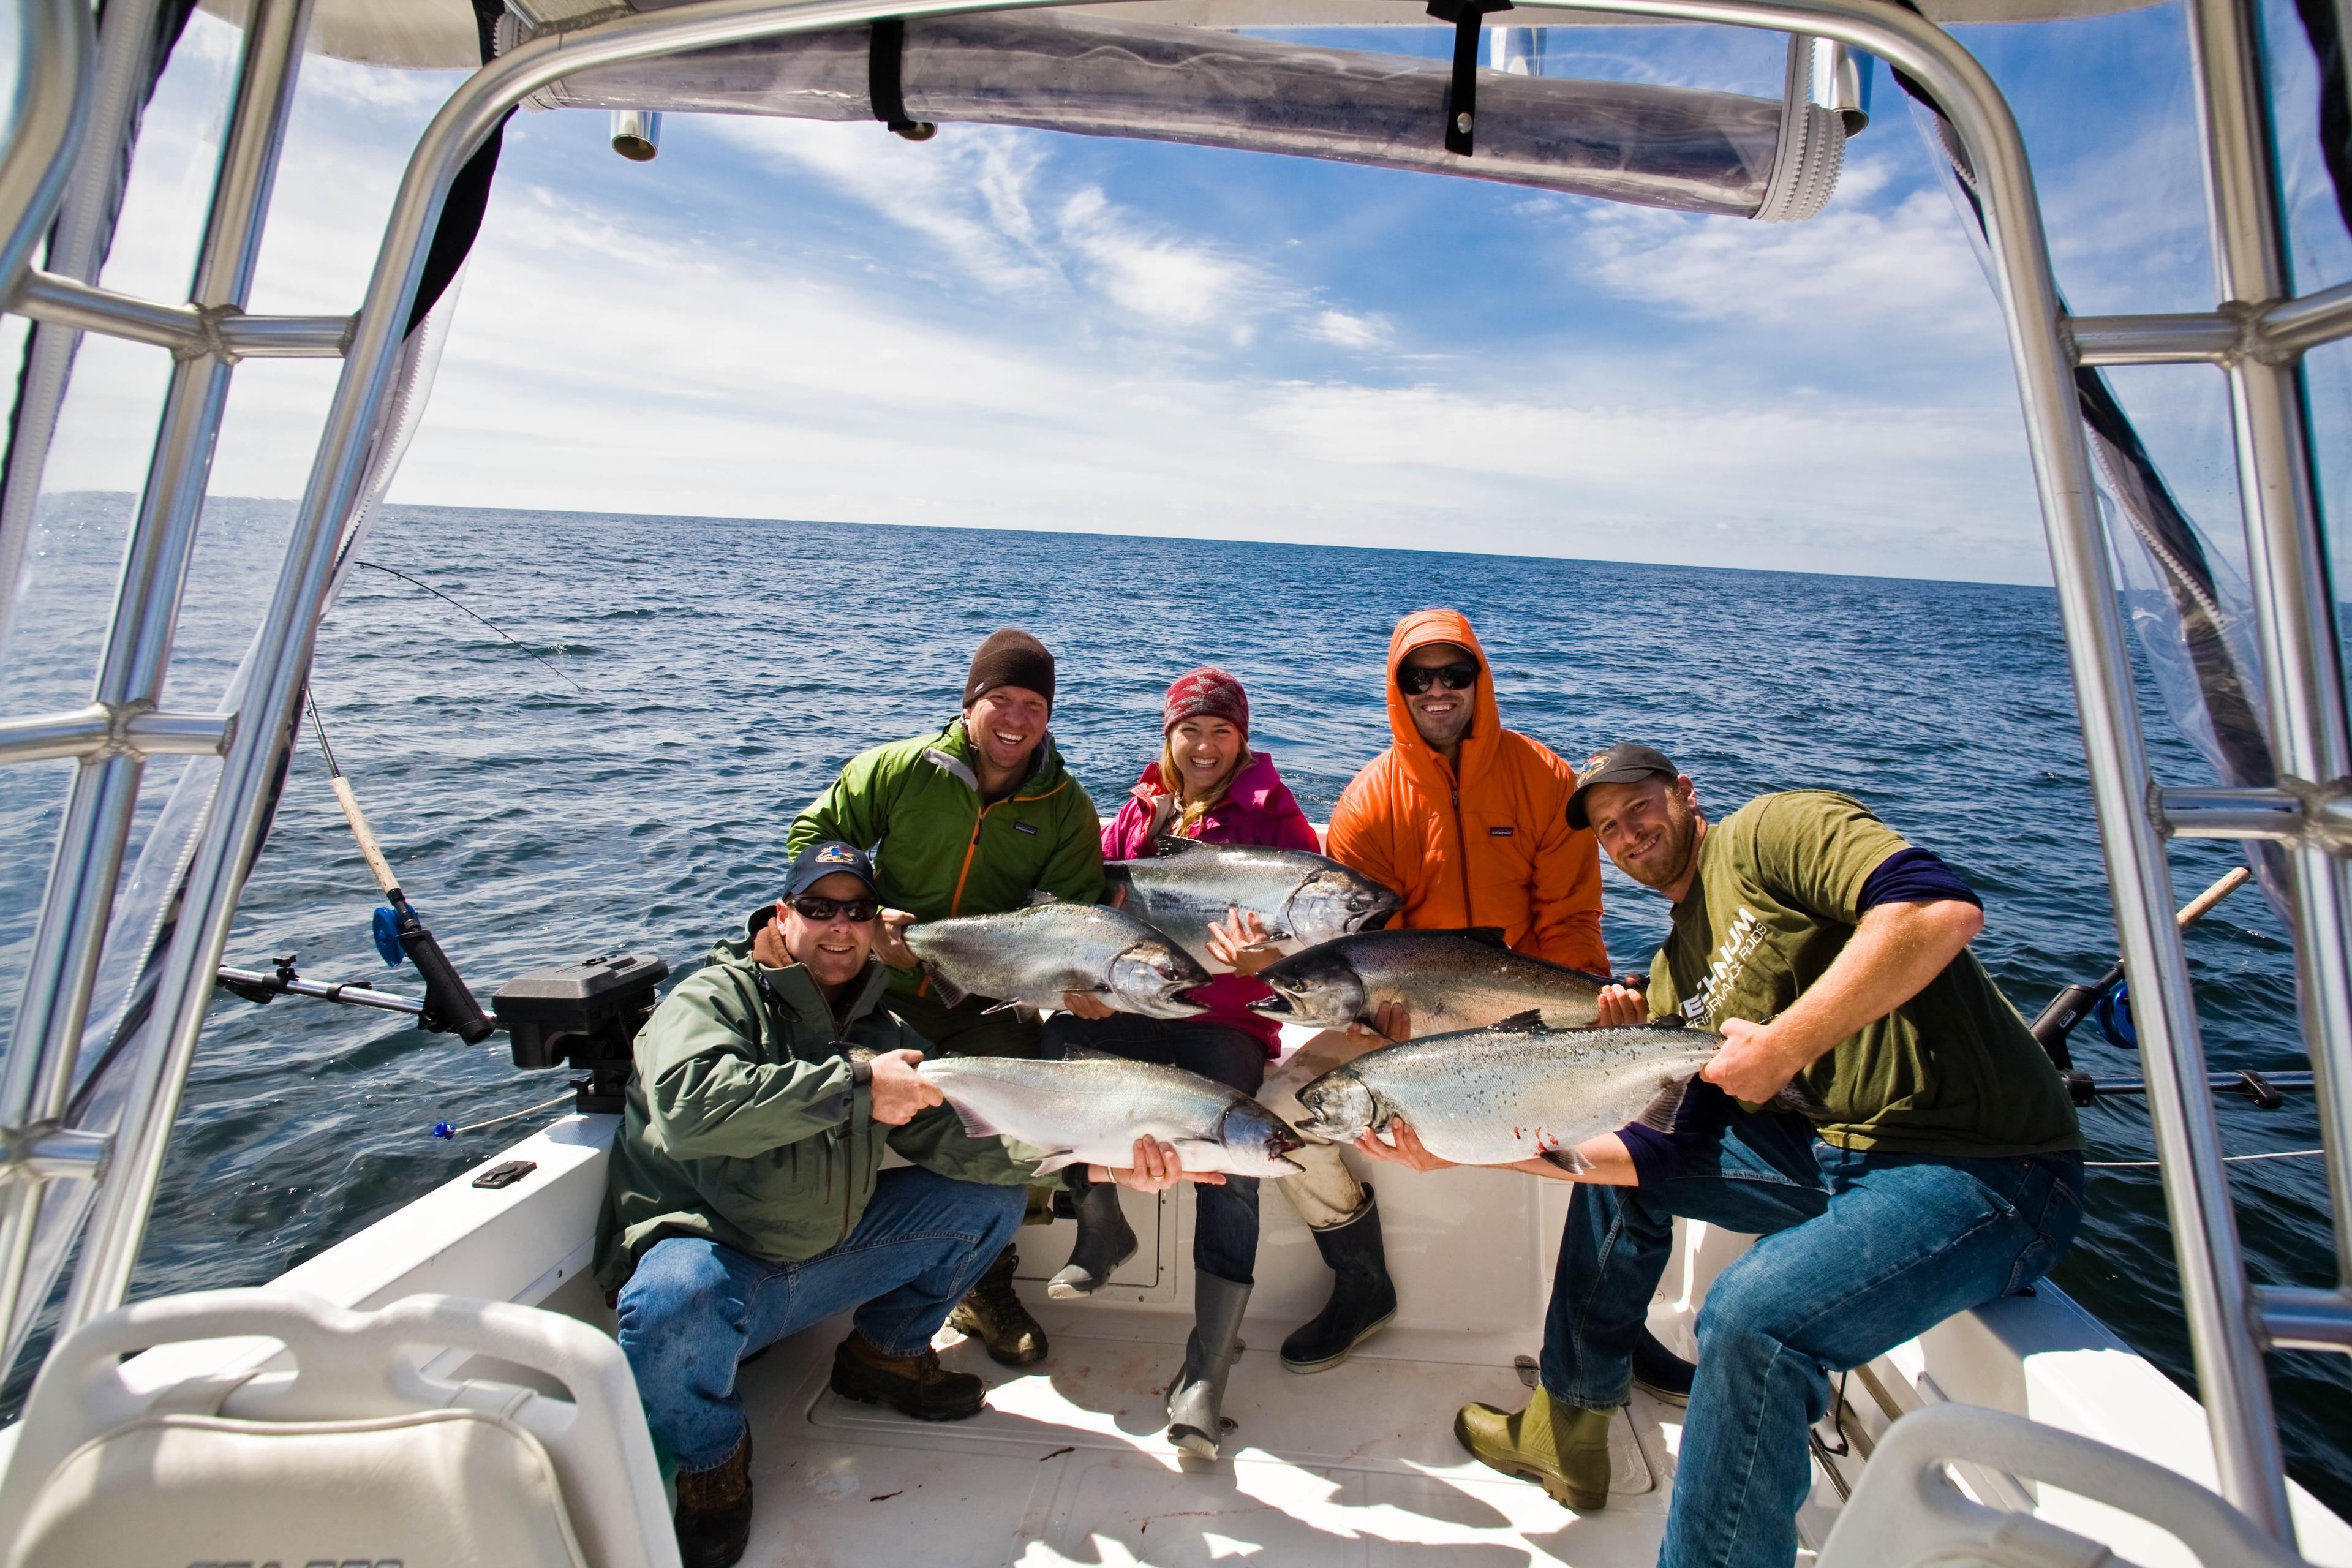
[1561, 1449]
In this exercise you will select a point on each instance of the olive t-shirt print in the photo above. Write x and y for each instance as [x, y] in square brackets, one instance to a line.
[1779, 892]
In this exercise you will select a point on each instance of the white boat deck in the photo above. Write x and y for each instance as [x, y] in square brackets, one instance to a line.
[1355, 1466]
[1068, 1464]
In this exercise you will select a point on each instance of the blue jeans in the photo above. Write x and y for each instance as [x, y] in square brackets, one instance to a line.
[1858, 1253]
[694, 1309]
[1224, 1218]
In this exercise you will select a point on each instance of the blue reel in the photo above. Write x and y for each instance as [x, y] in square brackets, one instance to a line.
[386, 930]
[2115, 1015]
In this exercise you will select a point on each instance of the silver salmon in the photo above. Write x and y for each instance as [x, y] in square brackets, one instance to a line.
[1301, 898]
[1451, 980]
[1092, 1108]
[1517, 1091]
[1031, 956]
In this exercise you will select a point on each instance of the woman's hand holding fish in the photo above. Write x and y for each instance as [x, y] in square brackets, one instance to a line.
[890, 939]
[1156, 1168]
[1240, 943]
[1406, 1150]
[1392, 1023]
[1621, 1007]
[898, 1093]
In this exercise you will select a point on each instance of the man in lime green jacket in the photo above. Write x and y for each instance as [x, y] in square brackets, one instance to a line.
[972, 819]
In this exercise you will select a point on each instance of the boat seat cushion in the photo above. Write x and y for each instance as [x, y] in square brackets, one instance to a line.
[438, 1486]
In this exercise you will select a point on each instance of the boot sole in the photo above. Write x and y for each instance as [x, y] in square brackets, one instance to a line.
[1558, 1491]
[872, 1396]
[1680, 1401]
[1062, 1287]
[1308, 1368]
[1193, 1441]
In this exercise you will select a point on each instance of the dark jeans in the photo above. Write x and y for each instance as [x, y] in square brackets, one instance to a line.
[693, 1310]
[1224, 1218]
[968, 1028]
[1858, 1252]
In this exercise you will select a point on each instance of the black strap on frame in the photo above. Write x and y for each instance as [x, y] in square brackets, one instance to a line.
[883, 63]
[1461, 92]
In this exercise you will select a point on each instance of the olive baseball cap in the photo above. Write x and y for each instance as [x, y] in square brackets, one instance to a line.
[821, 860]
[1621, 764]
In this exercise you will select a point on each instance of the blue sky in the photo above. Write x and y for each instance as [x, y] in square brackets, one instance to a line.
[1011, 329]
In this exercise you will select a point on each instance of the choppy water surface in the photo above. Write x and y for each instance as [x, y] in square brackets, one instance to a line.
[729, 668]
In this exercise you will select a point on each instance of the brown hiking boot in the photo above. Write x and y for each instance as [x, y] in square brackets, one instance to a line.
[714, 1510]
[916, 1385]
[991, 1313]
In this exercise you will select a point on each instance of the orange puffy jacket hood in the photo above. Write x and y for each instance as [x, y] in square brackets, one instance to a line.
[1419, 630]
[1486, 843]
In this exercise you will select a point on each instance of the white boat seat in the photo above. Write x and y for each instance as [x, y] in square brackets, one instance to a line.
[353, 1454]
[1906, 1514]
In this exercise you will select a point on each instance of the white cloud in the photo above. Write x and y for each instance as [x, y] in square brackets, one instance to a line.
[1157, 277]
[1341, 330]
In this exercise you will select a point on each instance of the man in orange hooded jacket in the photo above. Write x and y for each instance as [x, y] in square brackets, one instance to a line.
[1468, 822]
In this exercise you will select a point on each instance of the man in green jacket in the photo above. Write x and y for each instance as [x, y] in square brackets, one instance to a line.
[972, 819]
[746, 1200]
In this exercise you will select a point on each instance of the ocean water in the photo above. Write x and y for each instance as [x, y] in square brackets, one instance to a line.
[701, 679]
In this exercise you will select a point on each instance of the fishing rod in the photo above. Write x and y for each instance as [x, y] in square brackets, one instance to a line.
[2107, 999]
[448, 1006]
[484, 620]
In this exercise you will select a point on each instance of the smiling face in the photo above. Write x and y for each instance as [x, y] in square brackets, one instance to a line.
[1005, 725]
[1206, 752]
[1651, 828]
[834, 952]
[1441, 713]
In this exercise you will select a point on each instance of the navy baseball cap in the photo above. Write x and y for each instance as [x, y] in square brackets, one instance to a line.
[1621, 764]
[822, 859]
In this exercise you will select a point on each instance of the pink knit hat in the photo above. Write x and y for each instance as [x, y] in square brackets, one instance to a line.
[1205, 692]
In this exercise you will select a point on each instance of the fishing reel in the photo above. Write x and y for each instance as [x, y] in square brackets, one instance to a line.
[586, 1014]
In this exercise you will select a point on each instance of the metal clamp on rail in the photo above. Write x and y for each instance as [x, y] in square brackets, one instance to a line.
[1462, 92]
[2278, 332]
[119, 730]
[48, 1152]
[2296, 812]
[2304, 1318]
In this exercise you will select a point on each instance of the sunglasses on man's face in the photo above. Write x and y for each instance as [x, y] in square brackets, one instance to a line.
[811, 907]
[1416, 678]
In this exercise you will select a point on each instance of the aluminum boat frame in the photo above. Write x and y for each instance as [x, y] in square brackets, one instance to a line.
[2255, 336]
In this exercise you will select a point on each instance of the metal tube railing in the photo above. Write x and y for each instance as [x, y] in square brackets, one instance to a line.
[2295, 619]
[55, 72]
[39, 1071]
[2213, 1281]
[182, 329]
[78, 243]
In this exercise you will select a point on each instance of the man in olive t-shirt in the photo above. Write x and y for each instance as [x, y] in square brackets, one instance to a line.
[1941, 1169]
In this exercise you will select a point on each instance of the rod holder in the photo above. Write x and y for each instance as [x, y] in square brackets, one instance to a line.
[636, 134]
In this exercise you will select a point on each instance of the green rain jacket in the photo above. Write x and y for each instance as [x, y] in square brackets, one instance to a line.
[938, 851]
[749, 1125]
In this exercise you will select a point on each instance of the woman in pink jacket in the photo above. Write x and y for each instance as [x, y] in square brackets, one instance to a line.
[1207, 784]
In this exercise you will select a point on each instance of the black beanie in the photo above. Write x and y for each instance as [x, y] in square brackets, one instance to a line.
[1010, 658]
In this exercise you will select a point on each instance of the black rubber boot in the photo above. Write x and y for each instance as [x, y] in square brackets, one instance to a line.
[714, 1510]
[1105, 1241]
[1659, 1372]
[916, 1385]
[1363, 1298]
[1196, 1399]
[992, 1313]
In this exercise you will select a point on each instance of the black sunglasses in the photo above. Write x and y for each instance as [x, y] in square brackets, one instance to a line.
[1460, 676]
[813, 908]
